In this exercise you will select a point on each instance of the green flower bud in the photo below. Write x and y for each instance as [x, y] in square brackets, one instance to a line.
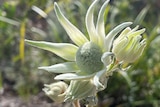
[129, 46]
[88, 58]
[56, 91]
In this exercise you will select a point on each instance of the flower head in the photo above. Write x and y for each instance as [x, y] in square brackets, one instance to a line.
[80, 88]
[90, 61]
[56, 91]
[129, 45]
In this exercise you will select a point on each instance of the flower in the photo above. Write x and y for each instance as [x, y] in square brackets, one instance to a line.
[79, 88]
[129, 45]
[90, 61]
[56, 91]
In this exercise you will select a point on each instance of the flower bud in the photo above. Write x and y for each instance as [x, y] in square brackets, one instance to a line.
[56, 91]
[80, 89]
[129, 46]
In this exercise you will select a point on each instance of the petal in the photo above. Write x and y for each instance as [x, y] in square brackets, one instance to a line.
[64, 50]
[105, 58]
[134, 29]
[136, 33]
[56, 91]
[100, 27]
[130, 51]
[76, 36]
[123, 34]
[90, 22]
[122, 49]
[61, 68]
[109, 38]
[120, 45]
[101, 77]
[138, 51]
[73, 76]
[96, 80]
[80, 89]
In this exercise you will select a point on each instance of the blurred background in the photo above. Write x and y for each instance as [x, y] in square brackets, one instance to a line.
[21, 82]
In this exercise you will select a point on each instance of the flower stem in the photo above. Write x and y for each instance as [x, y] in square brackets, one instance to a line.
[76, 103]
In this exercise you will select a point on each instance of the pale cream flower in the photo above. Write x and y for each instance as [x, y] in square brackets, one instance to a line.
[56, 91]
[90, 61]
[129, 45]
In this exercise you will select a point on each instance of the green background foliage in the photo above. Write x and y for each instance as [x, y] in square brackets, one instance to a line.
[36, 20]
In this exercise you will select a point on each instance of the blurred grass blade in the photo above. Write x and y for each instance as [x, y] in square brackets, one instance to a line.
[49, 9]
[141, 16]
[126, 77]
[44, 14]
[38, 31]
[10, 21]
[21, 45]
[39, 11]
[1, 81]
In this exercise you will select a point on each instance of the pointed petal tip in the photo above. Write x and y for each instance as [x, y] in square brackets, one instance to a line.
[144, 29]
[29, 41]
[26, 40]
[56, 7]
[57, 78]
[41, 68]
[55, 4]
[44, 68]
[129, 23]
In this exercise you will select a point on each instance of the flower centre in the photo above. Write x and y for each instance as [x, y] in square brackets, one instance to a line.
[88, 58]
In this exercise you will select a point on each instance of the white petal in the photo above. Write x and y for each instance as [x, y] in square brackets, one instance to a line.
[90, 22]
[61, 68]
[136, 33]
[134, 29]
[96, 80]
[109, 38]
[100, 27]
[73, 76]
[76, 36]
[105, 58]
[138, 52]
[64, 50]
[130, 51]
[123, 34]
[119, 45]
